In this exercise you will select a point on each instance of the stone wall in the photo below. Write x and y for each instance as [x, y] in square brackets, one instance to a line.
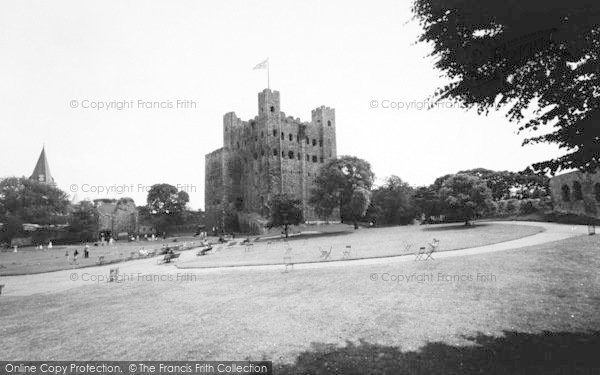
[576, 193]
[268, 155]
[117, 216]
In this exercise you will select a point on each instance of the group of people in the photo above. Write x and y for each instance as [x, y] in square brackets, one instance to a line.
[86, 254]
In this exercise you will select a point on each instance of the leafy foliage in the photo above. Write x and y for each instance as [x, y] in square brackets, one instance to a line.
[285, 211]
[359, 203]
[336, 183]
[533, 56]
[392, 203]
[466, 196]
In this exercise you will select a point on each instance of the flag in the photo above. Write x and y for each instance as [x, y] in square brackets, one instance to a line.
[262, 65]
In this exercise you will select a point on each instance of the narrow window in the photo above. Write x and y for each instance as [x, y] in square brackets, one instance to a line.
[272, 109]
[282, 135]
[566, 193]
[328, 122]
[262, 134]
[300, 157]
[577, 193]
[314, 158]
[274, 152]
[314, 142]
[274, 133]
[307, 141]
[291, 137]
[291, 154]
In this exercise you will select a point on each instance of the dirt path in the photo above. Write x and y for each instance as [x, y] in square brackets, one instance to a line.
[59, 281]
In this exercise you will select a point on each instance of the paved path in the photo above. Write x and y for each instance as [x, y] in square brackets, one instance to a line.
[59, 281]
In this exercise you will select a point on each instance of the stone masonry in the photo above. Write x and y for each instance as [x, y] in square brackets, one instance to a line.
[576, 193]
[268, 155]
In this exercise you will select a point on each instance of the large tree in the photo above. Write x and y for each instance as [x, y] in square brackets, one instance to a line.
[27, 201]
[336, 182]
[465, 196]
[392, 203]
[84, 221]
[537, 58]
[166, 206]
[359, 203]
[285, 211]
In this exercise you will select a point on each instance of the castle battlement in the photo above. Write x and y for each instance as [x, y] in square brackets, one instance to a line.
[270, 154]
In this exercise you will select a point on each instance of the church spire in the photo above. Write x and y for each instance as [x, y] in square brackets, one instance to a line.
[41, 172]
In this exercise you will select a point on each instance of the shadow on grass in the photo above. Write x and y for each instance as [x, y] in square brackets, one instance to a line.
[515, 353]
[457, 226]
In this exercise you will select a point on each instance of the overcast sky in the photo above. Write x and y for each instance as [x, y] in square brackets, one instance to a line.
[344, 54]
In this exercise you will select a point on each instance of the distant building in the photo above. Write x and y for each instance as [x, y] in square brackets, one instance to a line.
[576, 193]
[41, 172]
[117, 217]
[265, 156]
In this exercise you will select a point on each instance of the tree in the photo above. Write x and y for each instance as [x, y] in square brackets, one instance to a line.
[427, 202]
[27, 201]
[166, 206]
[392, 203]
[285, 211]
[466, 196]
[336, 182]
[538, 57]
[359, 203]
[84, 221]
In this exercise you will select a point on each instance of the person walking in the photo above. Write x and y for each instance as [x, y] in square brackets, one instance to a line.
[75, 253]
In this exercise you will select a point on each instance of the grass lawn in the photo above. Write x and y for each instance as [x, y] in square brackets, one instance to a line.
[366, 243]
[31, 260]
[529, 310]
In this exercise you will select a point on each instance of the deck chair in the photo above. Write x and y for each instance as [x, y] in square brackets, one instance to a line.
[325, 254]
[287, 262]
[347, 252]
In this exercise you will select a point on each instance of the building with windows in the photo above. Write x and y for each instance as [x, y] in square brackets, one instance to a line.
[576, 193]
[265, 156]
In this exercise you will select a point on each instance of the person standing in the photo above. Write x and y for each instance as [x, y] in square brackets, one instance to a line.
[75, 253]
[67, 256]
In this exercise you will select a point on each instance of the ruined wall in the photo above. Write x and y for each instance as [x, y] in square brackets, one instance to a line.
[268, 155]
[117, 216]
[567, 199]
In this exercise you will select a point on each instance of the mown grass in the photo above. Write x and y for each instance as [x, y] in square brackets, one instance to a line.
[365, 243]
[304, 319]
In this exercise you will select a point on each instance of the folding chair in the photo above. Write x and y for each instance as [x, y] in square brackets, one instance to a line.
[287, 262]
[347, 252]
[325, 254]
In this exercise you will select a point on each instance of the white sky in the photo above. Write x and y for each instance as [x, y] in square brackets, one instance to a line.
[342, 54]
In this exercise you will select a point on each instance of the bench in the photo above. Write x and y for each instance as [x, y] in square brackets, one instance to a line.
[168, 258]
[204, 250]
[249, 246]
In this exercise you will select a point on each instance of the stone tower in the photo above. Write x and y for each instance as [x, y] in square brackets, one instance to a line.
[268, 155]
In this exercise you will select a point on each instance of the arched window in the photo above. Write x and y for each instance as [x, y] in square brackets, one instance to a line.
[291, 137]
[272, 109]
[274, 133]
[566, 193]
[282, 135]
[577, 193]
[597, 192]
[274, 152]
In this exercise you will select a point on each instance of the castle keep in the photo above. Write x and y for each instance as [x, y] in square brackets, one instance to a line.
[268, 155]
